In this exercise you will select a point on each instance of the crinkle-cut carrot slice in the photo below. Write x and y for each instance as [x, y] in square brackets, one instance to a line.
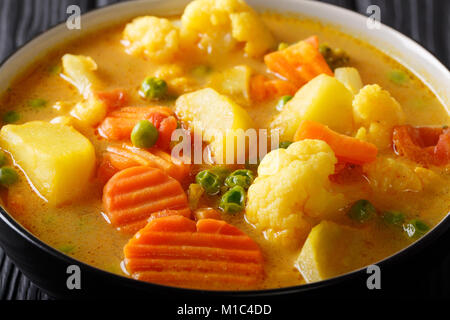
[425, 145]
[126, 156]
[113, 99]
[119, 124]
[298, 63]
[209, 254]
[263, 88]
[132, 195]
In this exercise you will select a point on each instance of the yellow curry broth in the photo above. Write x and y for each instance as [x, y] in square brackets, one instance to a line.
[80, 230]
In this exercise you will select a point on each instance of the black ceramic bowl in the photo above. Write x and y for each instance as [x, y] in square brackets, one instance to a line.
[48, 268]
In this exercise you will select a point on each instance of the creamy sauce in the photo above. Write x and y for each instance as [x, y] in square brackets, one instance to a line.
[80, 230]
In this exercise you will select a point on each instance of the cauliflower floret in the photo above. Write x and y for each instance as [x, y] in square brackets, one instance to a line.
[376, 133]
[90, 112]
[248, 27]
[376, 112]
[398, 175]
[291, 191]
[221, 24]
[155, 38]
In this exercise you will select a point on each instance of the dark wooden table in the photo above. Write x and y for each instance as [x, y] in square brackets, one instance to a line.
[426, 21]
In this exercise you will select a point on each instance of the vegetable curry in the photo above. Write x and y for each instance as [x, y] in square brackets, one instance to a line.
[357, 166]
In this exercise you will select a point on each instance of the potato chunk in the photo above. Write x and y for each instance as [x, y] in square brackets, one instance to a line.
[220, 120]
[331, 250]
[155, 38]
[57, 159]
[350, 78]
[234, 82]
[324, 99]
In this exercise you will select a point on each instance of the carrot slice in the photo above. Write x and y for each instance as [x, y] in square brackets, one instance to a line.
[346, 149]
[298, 63]
[425, 145]
[119, 124]
[113, 99]
[209, 254]
[126, 156]
[263, 88]
[132, 195]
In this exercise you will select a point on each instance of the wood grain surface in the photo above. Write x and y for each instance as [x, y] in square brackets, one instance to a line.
[426, 21]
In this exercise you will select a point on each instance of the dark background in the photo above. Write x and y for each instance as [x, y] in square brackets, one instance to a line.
[425, 21]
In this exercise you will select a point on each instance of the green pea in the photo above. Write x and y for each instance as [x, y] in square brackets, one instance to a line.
[8, 176]
[144, 134]
[3, 159]
[415, 228]
[37, 103]
[11, 117]
[242, 178]
[282, 102]
[283, 45]
[285, 144]
[398, 77]
[394, 218]
[209, 181]
[233, 201]
[154, 88]
[361, 211]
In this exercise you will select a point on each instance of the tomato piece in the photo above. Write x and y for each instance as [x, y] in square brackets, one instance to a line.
[442, 149]
[425, 145]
